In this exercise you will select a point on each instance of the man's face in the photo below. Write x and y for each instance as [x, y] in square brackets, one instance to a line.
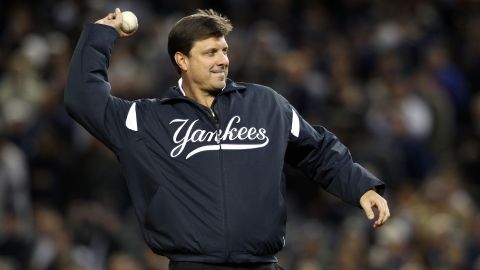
[207, 64]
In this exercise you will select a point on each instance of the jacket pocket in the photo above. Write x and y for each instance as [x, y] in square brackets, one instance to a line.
[168, 228]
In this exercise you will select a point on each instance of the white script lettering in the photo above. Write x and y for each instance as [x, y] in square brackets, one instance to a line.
[186, 133]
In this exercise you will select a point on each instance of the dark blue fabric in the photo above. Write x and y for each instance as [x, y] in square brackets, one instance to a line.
[203, 266]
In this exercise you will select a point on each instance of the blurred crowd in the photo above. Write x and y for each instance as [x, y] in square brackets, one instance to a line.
[397, 81]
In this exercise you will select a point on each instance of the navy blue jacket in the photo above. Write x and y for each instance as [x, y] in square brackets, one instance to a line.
[207, 184]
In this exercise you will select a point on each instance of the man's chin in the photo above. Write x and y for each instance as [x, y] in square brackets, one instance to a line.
[221, 84]
[216, 88]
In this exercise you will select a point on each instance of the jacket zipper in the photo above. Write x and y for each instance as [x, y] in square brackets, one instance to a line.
[213, 115]
[222, 179]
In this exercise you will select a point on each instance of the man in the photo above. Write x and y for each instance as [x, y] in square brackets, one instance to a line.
[204, 164]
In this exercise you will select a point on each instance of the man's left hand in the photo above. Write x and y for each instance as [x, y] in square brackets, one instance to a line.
[371, 200]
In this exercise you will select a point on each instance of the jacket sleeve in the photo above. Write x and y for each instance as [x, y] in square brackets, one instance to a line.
[321, 155]
[87, 95]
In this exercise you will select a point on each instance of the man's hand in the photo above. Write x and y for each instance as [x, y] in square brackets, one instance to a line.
[371, 200]
[115, 20]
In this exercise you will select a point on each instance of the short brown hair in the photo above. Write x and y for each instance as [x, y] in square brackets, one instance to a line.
[203, 24]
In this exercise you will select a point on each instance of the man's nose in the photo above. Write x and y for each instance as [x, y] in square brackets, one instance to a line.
[222, 60]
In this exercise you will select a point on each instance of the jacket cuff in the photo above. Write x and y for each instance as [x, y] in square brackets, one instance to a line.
[379, 188]
[101, 32]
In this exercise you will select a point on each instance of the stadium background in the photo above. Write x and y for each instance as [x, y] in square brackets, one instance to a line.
[397, 81]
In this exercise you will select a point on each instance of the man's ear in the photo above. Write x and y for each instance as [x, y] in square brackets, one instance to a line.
[181, 60]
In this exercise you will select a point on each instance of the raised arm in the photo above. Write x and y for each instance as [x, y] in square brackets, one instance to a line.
[87, 93]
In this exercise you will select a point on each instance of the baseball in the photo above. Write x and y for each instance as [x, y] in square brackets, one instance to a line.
[129, 22]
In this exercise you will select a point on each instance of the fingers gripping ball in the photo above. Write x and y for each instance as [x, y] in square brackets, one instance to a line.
[129, 22]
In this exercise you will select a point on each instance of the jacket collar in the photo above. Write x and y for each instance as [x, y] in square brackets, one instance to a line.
[177, 91]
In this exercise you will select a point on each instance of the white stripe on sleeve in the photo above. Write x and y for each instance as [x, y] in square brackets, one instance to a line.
[131, 121]
[295, 124]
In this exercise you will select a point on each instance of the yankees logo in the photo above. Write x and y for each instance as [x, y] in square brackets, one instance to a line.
[245, 137]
